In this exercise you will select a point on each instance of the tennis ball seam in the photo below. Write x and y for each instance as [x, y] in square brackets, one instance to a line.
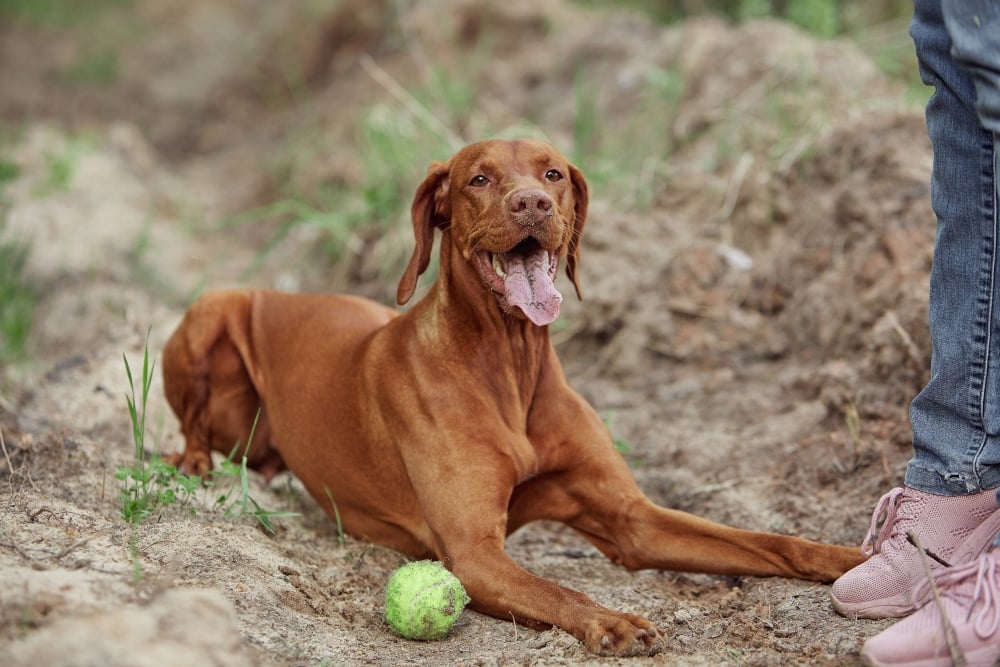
[449, 589]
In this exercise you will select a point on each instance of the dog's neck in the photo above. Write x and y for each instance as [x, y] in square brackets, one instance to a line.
[460, 309]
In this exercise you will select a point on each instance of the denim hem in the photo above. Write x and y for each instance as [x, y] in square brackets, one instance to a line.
[940, 483]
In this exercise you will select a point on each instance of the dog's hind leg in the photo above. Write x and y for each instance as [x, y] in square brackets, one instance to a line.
[208, 384]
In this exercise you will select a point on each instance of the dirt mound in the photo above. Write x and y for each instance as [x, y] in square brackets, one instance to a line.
[754, 271]
[180, 626]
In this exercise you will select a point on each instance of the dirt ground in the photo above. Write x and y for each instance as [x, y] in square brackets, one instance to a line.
[753, 326]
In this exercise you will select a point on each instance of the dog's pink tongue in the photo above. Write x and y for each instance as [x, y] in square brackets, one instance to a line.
[529, 287]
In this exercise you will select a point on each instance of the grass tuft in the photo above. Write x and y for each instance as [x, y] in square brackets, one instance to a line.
[336, 512]
[242, 503]
[148, 483]
[152, 485]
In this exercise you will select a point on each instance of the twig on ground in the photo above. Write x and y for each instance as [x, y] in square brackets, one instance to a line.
[957, 657]
[912, 351]
[54, 557]
[6, 455]
[736, 179]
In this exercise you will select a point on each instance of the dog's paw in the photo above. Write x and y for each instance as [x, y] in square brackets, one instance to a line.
[190, 463]
[623, 635]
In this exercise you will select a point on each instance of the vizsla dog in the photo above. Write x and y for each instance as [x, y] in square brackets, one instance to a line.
[439, 431]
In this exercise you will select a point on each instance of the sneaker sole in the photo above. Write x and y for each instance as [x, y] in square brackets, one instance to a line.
[894, 607]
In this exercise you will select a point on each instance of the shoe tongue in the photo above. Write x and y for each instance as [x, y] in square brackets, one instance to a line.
[529, 287]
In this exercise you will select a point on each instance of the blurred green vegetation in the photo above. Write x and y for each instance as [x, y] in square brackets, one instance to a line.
[879, 27]
[100, 24]
[626, 158]
[17, 296]
[61, 13]
[367, 215]
[825, 18]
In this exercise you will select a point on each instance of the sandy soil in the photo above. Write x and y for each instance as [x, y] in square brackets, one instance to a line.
[753, 327]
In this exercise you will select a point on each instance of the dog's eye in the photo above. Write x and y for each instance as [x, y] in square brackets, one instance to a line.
[479, 181]
[553, 175]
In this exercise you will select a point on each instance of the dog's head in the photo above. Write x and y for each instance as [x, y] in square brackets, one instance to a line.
[515, 209]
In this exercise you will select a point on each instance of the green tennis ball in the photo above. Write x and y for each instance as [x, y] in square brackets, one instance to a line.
[423, 600]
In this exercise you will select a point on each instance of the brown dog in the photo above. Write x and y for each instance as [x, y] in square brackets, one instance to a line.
[440, 431]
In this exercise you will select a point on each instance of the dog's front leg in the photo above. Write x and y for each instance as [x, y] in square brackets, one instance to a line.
[465, 507]
[591, 489]
[632, 531]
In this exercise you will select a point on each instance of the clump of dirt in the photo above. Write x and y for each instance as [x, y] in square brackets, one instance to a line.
[752, 331]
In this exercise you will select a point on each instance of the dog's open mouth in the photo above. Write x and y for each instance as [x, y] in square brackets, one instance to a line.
[524, 277]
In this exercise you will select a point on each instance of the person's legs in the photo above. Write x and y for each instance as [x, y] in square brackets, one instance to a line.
[948, 499]
[956, 418]
[969, 596]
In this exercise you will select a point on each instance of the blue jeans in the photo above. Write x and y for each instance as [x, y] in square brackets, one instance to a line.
[956, 417]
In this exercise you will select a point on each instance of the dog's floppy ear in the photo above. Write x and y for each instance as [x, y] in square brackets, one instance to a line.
[581, 197]
[430, 209]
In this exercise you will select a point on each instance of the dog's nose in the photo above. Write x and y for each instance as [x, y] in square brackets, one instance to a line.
[530, 207]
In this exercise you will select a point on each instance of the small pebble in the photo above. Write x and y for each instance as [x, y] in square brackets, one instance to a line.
[714, 630]
[682, 616]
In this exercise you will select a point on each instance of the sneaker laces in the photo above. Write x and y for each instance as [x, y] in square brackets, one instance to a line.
[888, 505]
[984, 592]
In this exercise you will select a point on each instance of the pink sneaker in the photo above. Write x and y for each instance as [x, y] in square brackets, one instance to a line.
[954, 530]
[970, 599]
